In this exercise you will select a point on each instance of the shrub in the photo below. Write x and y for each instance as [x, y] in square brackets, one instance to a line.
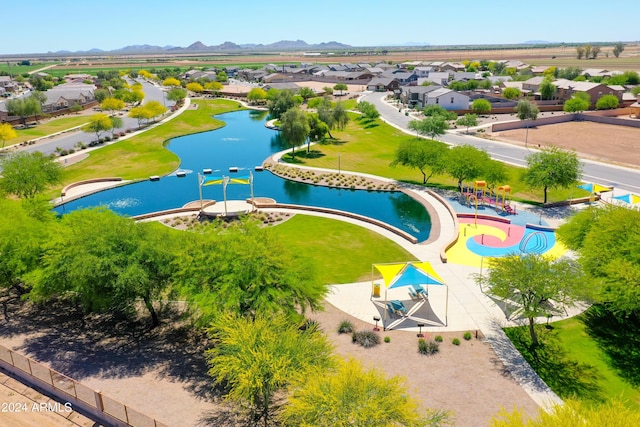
[387, 339]
[467, 335]
[455, 341]
[345, 327]
[366, 339]
[427, 347]
[438, 338]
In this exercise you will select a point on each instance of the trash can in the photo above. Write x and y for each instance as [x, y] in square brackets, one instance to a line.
[376, 290]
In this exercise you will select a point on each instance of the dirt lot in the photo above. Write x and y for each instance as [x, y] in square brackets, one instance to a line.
[162, 373]
[607, 143]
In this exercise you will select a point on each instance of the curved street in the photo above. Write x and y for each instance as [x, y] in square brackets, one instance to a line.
[601, 173]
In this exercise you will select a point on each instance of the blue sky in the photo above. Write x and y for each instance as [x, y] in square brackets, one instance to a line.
[72, 25]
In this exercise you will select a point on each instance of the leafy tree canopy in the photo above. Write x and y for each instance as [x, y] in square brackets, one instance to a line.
[28, 174]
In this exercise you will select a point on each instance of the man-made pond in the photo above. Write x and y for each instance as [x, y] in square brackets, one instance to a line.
[244, 143]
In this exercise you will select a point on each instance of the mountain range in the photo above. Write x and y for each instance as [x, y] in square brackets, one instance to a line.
[227, 46]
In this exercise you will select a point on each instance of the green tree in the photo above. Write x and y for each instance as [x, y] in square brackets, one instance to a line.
[195, 87]
[75, 108]
[280, 102]
[101, 94]
[432, 126]
[525, 110]
[112, 104]
[495, 173]
[466, 162]
[6, 133]
[328, 90]
[21, 240]
[105, 262]
[214, 86]
[539, 285]
[245, 269]
[23, 108]
[481, 106]
[576, 104]
[569, 73]
[317, 129]
[341, 87]
[595, 51]
[257, 358]
[349, 396]
[171, 81]
[155, 108]
[609, 254]
[368, 110]
[573, 413]
[587, 51]
[41, 98]
[116, 123]
[511, 93]
[607, 102]
[177, 95]
[580, 52]
[552, 168]
[468, 120]
[547, 89]
[141, 114]
[306, 93]
[256, 95]
[421, 155]
[438, 110]
[222, 77]
[294, 128]
[28, 174]
[618, 48]
[97, 124]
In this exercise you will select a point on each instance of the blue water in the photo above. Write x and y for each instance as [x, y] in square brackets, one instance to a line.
[244, 143]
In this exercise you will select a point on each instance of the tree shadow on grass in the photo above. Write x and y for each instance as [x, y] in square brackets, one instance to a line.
[332, 141]
[567, 377]
[112, 345]
[619, 339]
[312, 154]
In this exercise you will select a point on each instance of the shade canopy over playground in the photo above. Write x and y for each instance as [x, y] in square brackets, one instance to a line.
[396, 275]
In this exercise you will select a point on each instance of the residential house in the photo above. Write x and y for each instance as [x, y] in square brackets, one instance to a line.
[596, 72]
[423, 71]
[464, 76]
[452, 66]
[439, 78]
[403, 77]
[532, 85]
[66, 95]
[539, 70]
[635, 108]
[566, 88]
[385, 66]
[281, 86]
[447, 99]
[414, 96]
[383, 84]
[8, 85]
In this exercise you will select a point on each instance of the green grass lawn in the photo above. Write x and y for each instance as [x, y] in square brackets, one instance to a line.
[582, 347]
[145, 154]
[343, 252]
[51, 126]
[592, 357]
[370, 147]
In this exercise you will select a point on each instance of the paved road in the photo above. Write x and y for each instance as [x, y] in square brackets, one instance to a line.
[69, 140]
[604, 174]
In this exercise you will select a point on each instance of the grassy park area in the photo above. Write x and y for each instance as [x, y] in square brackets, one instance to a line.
[342, 252]
[370, 147]
[591, 357]
[48, 128]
